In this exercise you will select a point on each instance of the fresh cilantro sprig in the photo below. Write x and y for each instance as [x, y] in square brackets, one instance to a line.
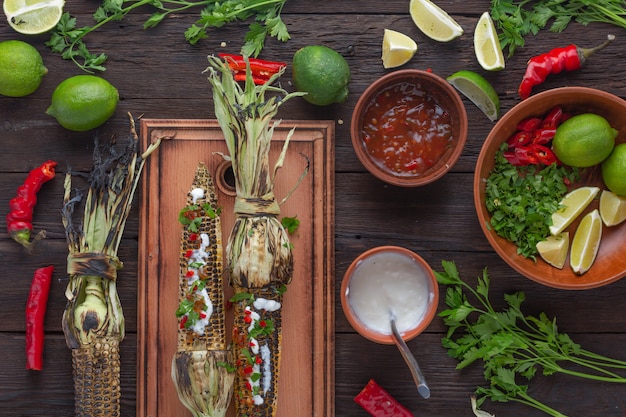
[67, 39]
[521, 200]
[515, 19]
[512, 346]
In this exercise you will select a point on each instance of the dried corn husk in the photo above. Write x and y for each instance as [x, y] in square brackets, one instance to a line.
[93, 321]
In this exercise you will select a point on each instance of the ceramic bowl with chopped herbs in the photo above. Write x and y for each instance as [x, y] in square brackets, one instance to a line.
[519, 183]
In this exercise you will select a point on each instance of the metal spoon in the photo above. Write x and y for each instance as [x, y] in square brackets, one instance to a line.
[410, 360]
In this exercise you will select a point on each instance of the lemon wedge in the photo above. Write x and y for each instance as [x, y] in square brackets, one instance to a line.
[571, 206]
[32, 17]
[612, 208]
[554, 249]
[487, 45]
[434, 21]
[398, 49]
[478, 90]
[586, 242]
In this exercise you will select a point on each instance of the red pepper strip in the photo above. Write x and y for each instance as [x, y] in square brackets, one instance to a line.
[261, 70]
[519, 139]
[525, 156]
[529, 124]
[35, 314]
[21, 207]
[568, 58]
[544, 155]
[553, 119]
[379, 403]
[543, 136]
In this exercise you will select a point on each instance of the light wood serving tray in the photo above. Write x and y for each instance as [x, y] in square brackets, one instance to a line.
[306, 385]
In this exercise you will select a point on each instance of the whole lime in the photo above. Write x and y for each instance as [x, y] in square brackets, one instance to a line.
[614, 170]
[322, 73]
[83, 102]
[21, 68]
[584, 140]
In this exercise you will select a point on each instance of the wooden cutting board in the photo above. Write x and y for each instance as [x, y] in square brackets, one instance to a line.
[306, 384]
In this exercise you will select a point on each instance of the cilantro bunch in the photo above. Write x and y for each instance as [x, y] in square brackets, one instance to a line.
[512, 347]
[515, 19]
[67, 38]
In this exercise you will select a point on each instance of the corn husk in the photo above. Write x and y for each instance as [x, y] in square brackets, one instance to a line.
[93, 320]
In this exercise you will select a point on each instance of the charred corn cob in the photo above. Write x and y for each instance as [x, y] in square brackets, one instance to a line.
[93, 320]
[202, 367]
[258, 253]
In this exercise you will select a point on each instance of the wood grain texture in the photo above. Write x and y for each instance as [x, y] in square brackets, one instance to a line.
[159, 75]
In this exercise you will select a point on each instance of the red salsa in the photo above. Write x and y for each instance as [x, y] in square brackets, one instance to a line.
[405, 130]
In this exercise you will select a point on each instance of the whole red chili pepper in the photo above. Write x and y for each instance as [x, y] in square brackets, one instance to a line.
[260, 69]
[21, 207]
[569, 58]
[35, 314]
[379, 403]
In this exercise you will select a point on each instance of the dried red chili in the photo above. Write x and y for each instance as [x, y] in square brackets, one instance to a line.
[21, 207]
[260, 69]
[379, 403]
[35, 314]
[568, 58]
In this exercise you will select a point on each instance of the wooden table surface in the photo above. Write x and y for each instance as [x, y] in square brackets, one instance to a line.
[159, 75]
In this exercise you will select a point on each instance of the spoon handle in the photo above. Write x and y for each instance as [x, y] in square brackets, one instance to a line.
[410, 360]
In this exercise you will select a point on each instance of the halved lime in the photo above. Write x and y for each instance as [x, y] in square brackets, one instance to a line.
[32, 17]
[434, 21]
[476, 88]
[398, 48]
[487, 45]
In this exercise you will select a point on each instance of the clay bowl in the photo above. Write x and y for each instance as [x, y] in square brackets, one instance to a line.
[610, 263]
[389, 278]
[434, 90]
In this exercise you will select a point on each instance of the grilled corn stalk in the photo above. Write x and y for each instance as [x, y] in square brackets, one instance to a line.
[258, 253]
[93, 320]
[202, 366]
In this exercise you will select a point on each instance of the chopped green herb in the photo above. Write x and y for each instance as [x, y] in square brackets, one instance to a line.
[511, 345]
[242, 296]
[521, 200]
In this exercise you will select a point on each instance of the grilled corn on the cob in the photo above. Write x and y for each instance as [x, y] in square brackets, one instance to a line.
[258, 253]
[201, 367]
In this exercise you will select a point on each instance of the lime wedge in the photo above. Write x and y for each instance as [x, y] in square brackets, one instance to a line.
[487, 45]
[32, 17]
[434, 21]
[586, 242]
[612, 208]
[476, 88]
[398, 49]
[553, 249]
[572, 205]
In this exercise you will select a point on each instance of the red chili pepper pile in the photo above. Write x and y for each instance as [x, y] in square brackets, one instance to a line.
[530, 144]
[35, 314]
[379, 403]
[21, 207]
[261, 70]
[569, 58]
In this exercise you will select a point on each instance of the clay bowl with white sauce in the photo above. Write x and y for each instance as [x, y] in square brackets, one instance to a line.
[389, 281]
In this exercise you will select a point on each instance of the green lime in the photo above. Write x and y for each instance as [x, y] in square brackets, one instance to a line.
[478, 90]
[614, 170]
[584, 140]
[21, 69]
[32, 17]
[83, 102]
[322, 73]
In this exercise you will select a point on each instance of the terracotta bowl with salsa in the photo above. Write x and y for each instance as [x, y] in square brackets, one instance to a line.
[409, 128]
[610, 263]
[385, 282]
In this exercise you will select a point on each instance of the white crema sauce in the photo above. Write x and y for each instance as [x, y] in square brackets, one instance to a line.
[389, 283]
